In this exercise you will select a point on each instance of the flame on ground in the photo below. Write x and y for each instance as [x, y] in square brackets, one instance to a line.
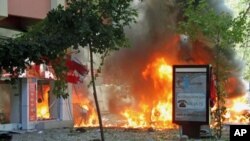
[159, 115]
[238, 110]
[83, 108]
[150, 104]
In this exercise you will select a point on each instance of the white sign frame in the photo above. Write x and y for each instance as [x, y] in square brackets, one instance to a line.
[191, 91]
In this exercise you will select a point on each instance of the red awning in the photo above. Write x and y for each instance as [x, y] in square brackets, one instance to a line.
[76, 70]
[73, 65]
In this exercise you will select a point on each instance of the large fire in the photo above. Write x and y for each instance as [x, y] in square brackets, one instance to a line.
[149, 104]
[159, 115]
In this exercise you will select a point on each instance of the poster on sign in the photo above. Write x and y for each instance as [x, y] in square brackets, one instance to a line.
[190, 93]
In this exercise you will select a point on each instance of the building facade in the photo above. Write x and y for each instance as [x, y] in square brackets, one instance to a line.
[29, 103]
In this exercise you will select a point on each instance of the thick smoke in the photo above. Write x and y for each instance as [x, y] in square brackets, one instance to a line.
[154, 35]
[148, 38]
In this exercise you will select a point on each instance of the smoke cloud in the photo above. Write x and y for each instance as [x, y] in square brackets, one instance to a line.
[154, 36]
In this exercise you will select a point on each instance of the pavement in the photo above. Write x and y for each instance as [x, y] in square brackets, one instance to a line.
[111, 134]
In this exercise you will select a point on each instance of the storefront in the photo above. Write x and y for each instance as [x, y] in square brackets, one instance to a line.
[30, 104]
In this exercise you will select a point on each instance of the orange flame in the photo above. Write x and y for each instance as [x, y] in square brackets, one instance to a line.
[159, 115]
[152, 107]
[43, 103]
[83, 108]
[238, 110]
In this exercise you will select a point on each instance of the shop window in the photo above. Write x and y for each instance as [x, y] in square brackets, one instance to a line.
[46, 101]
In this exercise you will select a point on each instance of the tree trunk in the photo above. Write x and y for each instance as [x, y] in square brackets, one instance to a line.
[219, 106]
[94, 93]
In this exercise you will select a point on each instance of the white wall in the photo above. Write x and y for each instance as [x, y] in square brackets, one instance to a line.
[3, 9]
[15, 115]
[65, 106]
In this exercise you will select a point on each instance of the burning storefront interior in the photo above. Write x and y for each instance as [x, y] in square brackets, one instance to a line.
[30, 104]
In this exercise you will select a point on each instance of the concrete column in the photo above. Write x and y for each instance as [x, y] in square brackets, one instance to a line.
[15, 103]
[24, 104]
[25, 113]
[65, 106]
[53, 105]
[3, 9]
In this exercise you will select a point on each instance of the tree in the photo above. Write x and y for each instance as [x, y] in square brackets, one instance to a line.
[243, 48]
[97, 24]
[221, 30]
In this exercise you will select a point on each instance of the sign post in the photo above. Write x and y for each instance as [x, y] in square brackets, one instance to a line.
[191, 97]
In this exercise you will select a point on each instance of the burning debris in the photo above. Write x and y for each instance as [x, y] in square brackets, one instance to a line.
[83, 107]
[238, 110]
